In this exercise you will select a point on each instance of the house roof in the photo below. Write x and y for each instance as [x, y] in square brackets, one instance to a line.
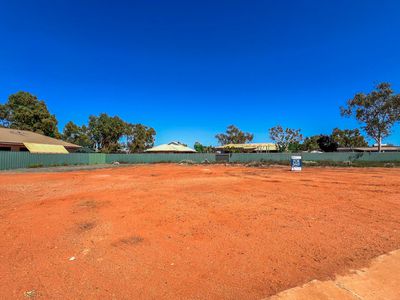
[171, 147]
[252, 146]
[16, 136]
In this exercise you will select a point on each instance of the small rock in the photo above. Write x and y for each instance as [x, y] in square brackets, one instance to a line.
[85, 251]
[30, 294]
[115, 163]
[72, 258]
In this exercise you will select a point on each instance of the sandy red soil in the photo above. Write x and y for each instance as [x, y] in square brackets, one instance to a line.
[190, 232]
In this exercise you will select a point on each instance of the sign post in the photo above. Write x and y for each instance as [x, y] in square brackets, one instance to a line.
[295, 163]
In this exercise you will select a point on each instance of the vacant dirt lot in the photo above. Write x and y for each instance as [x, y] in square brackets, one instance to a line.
[190, 232]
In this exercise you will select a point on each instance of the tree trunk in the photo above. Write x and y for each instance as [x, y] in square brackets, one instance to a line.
[379, 143]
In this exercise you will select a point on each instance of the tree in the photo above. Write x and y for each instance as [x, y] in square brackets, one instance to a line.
[327, 143]
[24, 111]
[378, 111]
[105, 132]
[294, 147]
[3, 116]
[234, 135]
[209, 149]
[310, 143]
[139, 137]
[78, 135]
[198, 147]
[203, 149]
[348, 138]
[285, 137]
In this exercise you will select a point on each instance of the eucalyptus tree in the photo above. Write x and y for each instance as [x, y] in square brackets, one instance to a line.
[378, 111]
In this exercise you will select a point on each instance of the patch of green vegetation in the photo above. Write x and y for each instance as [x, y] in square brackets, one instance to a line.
[35, 166]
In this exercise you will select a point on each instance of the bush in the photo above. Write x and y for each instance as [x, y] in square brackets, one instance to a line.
[35, 166]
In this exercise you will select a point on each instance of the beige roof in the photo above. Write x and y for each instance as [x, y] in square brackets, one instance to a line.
[16, 136]
[253, 146]
[171, 147]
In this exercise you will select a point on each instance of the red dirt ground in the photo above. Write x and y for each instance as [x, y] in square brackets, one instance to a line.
[190, 232]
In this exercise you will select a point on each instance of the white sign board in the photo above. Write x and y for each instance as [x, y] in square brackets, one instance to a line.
[295, 163]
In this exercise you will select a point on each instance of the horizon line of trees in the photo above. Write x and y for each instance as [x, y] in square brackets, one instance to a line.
[287, 139]
[377, 112]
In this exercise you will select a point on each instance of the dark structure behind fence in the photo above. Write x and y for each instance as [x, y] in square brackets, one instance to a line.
[15, 160]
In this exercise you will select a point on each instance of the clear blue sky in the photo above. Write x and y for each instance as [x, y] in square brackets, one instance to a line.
[190, 68]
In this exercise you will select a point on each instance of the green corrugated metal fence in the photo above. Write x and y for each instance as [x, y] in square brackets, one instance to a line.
[353, 156]
[332, 156]
[248, 157]
[160, 157]
[15, 160]
[96, 158]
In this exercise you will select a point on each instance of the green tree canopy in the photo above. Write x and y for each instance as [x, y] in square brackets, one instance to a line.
[327, 143]
[139, 137]
[378, 111]
[311, 143]
[106, 131]
[26, 112]
[234, 135]
[203, 149]
[348, 138]
[198, 147]
[283, 137]
[78, 135]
